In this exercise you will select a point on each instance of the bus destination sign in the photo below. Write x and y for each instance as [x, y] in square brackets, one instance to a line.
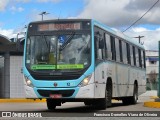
[58, 26]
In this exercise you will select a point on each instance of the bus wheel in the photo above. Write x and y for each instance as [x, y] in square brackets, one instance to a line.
[109, 95]
[87, 103]
[107, 101]
[134, 98]
[51, 105]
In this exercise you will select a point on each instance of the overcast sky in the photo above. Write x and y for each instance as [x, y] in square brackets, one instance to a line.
[118, 14]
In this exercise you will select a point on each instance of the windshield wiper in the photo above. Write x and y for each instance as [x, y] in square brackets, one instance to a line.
[67, 41]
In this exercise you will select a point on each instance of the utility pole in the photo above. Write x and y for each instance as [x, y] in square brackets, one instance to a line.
[139, 38]
[43, 13]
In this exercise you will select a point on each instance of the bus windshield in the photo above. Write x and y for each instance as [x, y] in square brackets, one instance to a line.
[64, 51]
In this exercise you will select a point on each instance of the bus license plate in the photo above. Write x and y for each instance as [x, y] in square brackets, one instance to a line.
[55, 95]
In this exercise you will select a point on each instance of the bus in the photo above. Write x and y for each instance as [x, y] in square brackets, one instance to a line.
[82, 60]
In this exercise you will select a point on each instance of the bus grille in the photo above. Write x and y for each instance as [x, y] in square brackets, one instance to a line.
[64, 93]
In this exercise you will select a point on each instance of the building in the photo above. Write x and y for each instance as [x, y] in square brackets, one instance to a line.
[11, 84]
[152, 65]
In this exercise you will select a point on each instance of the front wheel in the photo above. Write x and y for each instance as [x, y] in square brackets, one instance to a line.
[87, 103]
[51, 105]
[107, 101]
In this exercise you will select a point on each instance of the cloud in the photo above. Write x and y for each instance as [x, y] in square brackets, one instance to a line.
[117, 13]
[34, 15]
[24, 1]
[140, 29]
[3, 4]
[7, 32]
[16, 9]
[121, 14]
[150, 39]
[55, 1]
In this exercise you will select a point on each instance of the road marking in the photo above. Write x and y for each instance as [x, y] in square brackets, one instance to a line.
[21, 100]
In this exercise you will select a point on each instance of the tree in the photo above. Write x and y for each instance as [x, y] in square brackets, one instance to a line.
[152, 79]
[152, 76]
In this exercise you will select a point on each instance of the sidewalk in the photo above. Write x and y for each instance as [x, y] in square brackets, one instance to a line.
[152, 93]
[152, 96]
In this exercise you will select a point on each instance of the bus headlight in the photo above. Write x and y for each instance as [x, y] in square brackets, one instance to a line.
[85, 81]
[28, 82]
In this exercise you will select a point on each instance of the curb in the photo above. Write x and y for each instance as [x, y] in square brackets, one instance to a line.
[152, 104]
[154, 97]
[21, 100]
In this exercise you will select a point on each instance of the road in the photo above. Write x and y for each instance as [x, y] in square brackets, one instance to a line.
[74, 109]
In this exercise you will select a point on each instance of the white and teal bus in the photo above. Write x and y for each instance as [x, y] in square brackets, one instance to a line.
[82, 60]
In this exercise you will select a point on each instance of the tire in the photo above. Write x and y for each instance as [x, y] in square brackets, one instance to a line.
[133, 99]
[87, 103]
[51, 105]
[107, 101]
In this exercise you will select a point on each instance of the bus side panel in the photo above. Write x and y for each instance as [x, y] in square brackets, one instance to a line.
[110, 70]
[122, 79]
[103, 71]
[100, 80]
[142, 83]
[138, 75]
[132, 77]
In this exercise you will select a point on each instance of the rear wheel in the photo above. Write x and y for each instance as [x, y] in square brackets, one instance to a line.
[51, 104]
[133, 99]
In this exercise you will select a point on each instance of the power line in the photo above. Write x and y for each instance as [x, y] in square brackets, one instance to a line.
[142, 16]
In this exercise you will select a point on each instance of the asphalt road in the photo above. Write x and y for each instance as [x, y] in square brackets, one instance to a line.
[77, 109]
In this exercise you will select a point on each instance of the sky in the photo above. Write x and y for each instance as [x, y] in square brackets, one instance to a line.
[117, 14]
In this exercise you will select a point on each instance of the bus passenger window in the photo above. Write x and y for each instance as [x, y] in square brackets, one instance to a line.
[124, 52]
[144, 59]
[137, 57]
[113, 47]
[140, 59]
[108, 46]
[120, 49]
[134, 56]
[131, 55]
[128, 54]
[98, 48]
[117, 50]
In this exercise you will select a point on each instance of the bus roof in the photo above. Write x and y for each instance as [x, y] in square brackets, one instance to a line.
[118, 34]
[60, 20]
[103, 26]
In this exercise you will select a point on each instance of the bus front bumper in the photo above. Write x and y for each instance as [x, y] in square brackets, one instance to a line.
[74, 92]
